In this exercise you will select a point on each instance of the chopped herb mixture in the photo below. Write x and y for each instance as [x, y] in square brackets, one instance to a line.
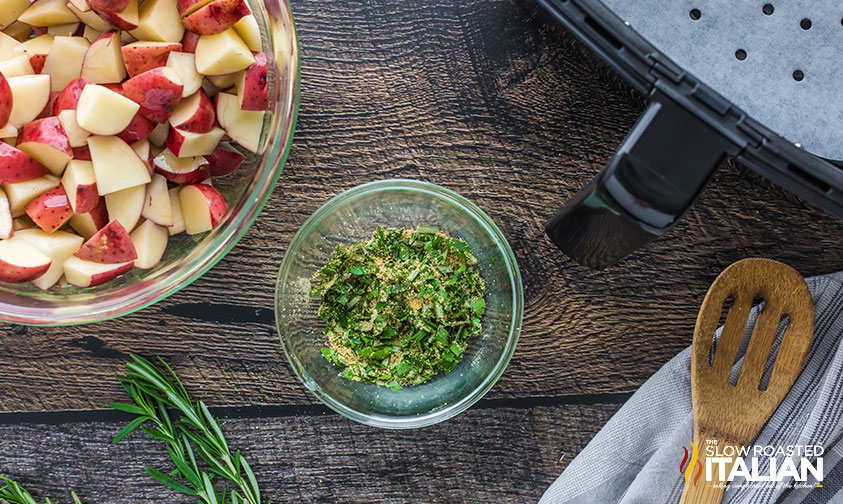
[400, 307]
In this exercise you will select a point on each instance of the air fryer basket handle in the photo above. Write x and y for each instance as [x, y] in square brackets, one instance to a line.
[654, 177]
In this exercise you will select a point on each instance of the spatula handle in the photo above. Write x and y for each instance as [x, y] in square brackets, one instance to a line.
[698, 488]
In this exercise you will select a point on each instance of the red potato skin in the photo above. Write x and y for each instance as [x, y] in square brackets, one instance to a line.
[174, 141]
[216, 17]
[139, 59]
[110, 275]
[114, 86]
[50, 210]
[47, 131]
[115, 19]
[38, 30]
[193, 177]
[203, 120]
[106, 35]
[100, 214]
[216, 202]
[17, 166]
[155, 93]
[185, 5]
[47, 111]
[110, 245]
[189, 41]
[15, 274]
[223, 161]
[6, 101]
[87, 198]
[256, 84]
[109, 5]
[82, 153]
[137, 130]
[37, 61]
[101, 278]
[68, 97]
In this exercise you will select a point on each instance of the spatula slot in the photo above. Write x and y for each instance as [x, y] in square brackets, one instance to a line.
[784, 321]
[737, 365]
[724, 313]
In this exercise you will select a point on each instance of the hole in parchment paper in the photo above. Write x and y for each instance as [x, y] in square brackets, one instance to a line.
[768, 9]
[805, 24]
[695, 14]
[798, 75]
[740, 54]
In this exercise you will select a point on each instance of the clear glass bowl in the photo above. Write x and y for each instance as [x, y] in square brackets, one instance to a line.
[188, 257]
[351, 217]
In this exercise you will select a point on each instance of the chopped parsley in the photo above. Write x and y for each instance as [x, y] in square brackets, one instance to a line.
[400, 307]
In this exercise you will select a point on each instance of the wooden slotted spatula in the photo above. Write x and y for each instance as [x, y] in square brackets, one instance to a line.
[731, 415]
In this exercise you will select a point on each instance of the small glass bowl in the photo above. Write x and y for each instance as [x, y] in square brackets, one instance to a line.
[189, 257]
[351, 217]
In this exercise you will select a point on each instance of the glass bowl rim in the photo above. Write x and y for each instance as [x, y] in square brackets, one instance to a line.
[516, 286]
[223, 243]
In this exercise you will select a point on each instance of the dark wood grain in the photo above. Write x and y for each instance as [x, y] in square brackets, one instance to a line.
[484, 455]
[478, 98]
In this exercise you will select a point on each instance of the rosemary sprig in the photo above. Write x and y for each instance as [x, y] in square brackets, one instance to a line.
[154, 390]
[13, 493]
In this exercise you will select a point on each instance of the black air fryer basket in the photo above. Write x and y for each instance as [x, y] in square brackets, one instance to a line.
[662, 165]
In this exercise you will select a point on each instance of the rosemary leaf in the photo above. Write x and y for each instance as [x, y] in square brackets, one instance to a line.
[13, 493]
[134, 424]
[169, 482]
[155, 389]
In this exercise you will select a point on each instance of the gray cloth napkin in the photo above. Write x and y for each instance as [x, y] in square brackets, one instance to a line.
[635, 458]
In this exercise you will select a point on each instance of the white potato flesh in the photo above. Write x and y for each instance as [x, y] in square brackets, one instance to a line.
[30, 94]
[223, 53]
[243, 126]
[126, 206]
[101, 111]
[47, 13]
[116, 165]
[78, 137]
[159, 21]
[21, 193]
[64, 61]
[150, 241]
[156, 205]
[58, 246]
[16, 66]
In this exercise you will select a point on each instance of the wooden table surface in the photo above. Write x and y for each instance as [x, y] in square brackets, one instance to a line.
[477, 97]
